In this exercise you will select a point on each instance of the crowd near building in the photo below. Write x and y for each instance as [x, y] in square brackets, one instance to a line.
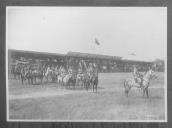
[104, 63]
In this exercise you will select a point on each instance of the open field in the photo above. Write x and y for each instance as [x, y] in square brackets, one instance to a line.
[51, 102]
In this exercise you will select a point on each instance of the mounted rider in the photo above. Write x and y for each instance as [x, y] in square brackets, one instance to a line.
[82, 65]
[136, 74]
[95, 69]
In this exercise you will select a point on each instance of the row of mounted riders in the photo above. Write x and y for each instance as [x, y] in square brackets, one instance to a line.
[64, 77]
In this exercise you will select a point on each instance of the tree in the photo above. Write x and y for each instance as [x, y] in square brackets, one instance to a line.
[159, 65]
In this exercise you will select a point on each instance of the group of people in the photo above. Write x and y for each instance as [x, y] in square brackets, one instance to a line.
[34, 73]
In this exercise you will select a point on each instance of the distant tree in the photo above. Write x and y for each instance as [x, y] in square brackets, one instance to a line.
[159, 65]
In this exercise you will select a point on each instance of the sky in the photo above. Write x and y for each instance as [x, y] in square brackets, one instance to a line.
[138, 33]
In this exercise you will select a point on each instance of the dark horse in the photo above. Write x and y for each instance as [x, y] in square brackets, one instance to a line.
[29, 76]
[87, 81]
[94, 82]
[16, 70]
[23, 74]
[37, 74]
[72, 81]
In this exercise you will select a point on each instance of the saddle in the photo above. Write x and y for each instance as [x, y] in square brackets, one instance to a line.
[137, 81]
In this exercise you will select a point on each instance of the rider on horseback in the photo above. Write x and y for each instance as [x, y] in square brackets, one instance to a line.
[136, 74]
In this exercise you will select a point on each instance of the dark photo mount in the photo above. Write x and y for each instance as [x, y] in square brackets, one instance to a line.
[106, 3]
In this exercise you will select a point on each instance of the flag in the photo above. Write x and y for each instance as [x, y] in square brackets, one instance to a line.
[97, 42]
[133, 54]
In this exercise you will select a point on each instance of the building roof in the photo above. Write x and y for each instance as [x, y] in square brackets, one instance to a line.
[135, 58]
[88, 55]
[34, 53]
[137, 61]
[71, 54]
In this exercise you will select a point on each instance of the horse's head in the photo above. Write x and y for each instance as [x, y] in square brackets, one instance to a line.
[151, 71]
[149, 74]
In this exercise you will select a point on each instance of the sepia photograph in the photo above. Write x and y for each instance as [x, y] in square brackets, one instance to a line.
[86, 64]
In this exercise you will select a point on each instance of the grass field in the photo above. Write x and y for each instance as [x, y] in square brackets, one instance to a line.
[51, 102]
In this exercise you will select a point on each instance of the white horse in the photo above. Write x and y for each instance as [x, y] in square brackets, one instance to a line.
[48, 73]
[60, 79]
[142, 82]
[63, 79]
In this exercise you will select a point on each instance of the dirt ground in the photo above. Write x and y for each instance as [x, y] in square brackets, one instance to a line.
[51, 102]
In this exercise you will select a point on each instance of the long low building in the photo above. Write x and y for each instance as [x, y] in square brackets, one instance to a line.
[106, 63]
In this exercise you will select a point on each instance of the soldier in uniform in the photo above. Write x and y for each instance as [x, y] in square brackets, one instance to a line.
[135, 73]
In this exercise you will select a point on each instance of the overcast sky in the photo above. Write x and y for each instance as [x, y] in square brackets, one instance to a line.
[120, 30]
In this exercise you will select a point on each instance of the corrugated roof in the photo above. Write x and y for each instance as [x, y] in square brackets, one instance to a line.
[88, 55]
[76, 54]
[36, 53]
[136, 61]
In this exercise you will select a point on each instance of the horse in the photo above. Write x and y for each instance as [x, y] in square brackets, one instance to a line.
[12, 70]
[60, 79]
[94, 82]
[48, 73]
[16, 71]
[54, 75]
[87, 81]
[29, 76]
[37, 73]
[72, 81]
[142, 82]
[79, 79]
[23, 74]
[66, 80]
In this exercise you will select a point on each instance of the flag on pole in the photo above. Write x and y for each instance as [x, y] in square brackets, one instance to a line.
[133, 54]
[97, 42]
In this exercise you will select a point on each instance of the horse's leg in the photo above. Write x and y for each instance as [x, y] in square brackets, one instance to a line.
[41, 79]
[93, 87]
[61, 84]
[84, 85]
[36, 79]
[14, 76]
[68, 84]
[126, 87]
[87, 86]
[22, 80]
[47, 77]
[32, 80]
[143, 91]
[96, 87]
[74, 85]
[76, 82]
[126, 92]
[147, 93]
[28, 81]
